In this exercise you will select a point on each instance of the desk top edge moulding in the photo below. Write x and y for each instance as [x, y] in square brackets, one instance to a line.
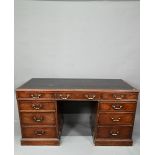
[41, 117]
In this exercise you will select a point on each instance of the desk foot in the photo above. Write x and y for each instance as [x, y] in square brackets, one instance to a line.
[40, 141]
[113, 142]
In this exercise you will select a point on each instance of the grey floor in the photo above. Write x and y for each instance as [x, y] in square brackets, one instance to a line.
[76, 140]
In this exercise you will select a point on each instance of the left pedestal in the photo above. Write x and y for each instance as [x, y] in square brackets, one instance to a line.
[40, 121]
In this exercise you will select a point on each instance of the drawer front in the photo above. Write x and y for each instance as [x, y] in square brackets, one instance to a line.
[77, 96]
[115, 118]
[36, 105]
[39, 132]
[117, 106]
[28, 118]
[119, 96]
[114, 132]
[34, 94]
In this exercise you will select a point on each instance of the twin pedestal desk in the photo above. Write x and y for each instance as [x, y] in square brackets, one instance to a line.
[113, 109]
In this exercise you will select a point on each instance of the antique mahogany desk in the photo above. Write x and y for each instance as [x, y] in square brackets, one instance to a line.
[113, 111]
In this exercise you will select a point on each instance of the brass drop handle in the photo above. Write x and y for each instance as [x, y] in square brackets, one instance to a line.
[36, 106]
[118, 97]
[115, 120]
[39, 132]
[114, 133]
[117, 107]
[64, 97]
[35, 96]
[90, 97]
[38, 119]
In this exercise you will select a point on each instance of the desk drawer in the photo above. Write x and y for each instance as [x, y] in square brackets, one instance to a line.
[39, 132]
[28, 118]
[36, 105]
[77, 96]
[115, 118]
[114, 132]
[119, 96]
[35, 94]
[117, 106]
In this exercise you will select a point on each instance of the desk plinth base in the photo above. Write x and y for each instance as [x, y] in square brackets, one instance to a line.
[40, 141]
[113, 142]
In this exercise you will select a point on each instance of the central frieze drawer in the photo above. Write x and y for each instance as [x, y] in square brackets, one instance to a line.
[39, 132]
[28, 118]
[114, 132]
[115, 118]
[77, 96]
